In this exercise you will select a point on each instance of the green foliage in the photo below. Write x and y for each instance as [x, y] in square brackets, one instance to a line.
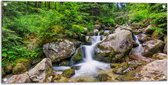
[155, 12]
[77, 28]
[49, 21]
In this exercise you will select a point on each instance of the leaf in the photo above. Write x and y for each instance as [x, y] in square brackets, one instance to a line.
[4, 54]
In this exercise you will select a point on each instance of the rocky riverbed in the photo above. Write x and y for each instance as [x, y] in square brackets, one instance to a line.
[127, 59]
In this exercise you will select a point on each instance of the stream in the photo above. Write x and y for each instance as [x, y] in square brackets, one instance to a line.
[88, 66]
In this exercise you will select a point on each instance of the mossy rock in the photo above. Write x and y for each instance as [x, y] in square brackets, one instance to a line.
[64, 63]
[19, 68]
[8, 68]
[101, 32]
[3, 72]
[68, 73]
[24, 61]
[77, 56]
[157, 35]
[130, 76]
[105, 34]
[59, 78]
[119, 69]
[103, 77]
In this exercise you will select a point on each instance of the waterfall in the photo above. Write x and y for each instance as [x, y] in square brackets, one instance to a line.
[89, 66]
[139, 49]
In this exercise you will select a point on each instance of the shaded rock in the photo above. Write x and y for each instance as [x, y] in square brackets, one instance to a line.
[165, 49]
[159, 56]
[35, 61]
[157, 35]
[126, 67]
[59, 78]
[152, 46]
[60, 50]
[156, 70]
[137, 56]
[68, 73]
[115, 46]
[103, 77]
[8, 68]
[148, 29]
[19, 68]
[20, 78]
[64, 63]
[42, 71]
[165, 39]
[97, 26]
[143, 37]
[77, 56]
[3, 72]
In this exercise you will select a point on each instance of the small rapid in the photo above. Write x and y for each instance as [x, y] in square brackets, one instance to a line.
[139, 49]
[88, 66]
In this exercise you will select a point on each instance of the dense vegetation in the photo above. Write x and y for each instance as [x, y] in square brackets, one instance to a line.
[26, 26]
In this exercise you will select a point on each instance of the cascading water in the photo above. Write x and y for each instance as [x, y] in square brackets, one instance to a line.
[139, 49]
[89, 66]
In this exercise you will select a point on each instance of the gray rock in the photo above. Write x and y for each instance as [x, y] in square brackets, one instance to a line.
[152, 46]
[42, 71]
[115, 46]
[20, 78]
[156, 70]
[143, 37]
[62, 49]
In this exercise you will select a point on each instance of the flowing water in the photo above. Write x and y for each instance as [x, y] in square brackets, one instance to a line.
[139, 49]
[88, 66]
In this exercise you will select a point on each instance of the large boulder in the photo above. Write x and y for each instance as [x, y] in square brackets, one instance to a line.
[59, 50]
[20, 78]
[152, 46]
[115, 46]
[156, 70]
[42, 72]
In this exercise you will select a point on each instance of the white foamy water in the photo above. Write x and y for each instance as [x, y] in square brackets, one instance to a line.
[89, 66]
[139, 49]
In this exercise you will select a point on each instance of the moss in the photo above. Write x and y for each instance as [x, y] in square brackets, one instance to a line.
[103, 77]
[120, 68]
[26, 62]
[59, 78]
[130, 76]
[19, 68]
[8, 68]
[105, 34]
[101, 32]
[77, 57]
[157, 34]
[68, 73]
